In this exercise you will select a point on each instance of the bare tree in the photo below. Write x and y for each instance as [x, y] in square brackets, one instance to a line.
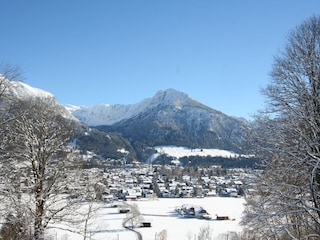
[287, 201]
[205, 233]
[88, 212]
[88, 216]
[34, 160]
[8, 74]
[162, 235]
[134, 216]
[230, 236]
[15, 227]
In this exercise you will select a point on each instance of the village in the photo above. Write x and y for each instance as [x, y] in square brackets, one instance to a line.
[137, 180]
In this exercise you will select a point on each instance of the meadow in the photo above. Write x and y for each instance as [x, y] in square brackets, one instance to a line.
[107, 222]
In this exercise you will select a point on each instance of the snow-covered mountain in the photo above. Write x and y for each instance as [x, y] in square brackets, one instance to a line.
[169, 118]
[107, 114]
[104, 114]
[22, 91]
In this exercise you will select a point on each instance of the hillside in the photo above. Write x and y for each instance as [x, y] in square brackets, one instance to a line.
[173, 118]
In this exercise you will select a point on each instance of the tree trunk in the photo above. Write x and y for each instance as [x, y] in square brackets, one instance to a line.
[38, 224]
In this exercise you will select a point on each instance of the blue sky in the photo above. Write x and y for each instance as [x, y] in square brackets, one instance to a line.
[123, 51]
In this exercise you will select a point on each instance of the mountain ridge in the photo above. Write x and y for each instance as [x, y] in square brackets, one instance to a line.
[169, 117]
[109, 114]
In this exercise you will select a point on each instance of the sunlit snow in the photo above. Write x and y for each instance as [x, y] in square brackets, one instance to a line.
[108, 114]
[179, 152]
[22, 90]
[107, 224]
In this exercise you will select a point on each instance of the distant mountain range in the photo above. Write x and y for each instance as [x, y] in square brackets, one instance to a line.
[169, 117]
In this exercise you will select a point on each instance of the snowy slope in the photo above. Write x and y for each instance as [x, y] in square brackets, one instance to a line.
[107, 114]
[179, 152]
[22, 91]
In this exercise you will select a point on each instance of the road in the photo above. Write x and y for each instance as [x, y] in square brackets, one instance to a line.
[124, 224]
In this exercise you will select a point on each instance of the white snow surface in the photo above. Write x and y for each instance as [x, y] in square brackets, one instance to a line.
[23, 91]
[179, 152]
[106, 114]
[71, 108]
[107, 223]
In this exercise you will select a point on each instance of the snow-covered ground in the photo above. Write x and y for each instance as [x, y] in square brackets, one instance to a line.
[107, 224]
[179, 152]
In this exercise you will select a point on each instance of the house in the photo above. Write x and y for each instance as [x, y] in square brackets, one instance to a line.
[190, 210]
[145, 223]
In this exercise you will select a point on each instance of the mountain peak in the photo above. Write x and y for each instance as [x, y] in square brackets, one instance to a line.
[173, 118]
[170, 95]
[108, 114]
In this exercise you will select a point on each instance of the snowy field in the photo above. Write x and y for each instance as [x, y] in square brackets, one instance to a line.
[107, 223]
[179, 152]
